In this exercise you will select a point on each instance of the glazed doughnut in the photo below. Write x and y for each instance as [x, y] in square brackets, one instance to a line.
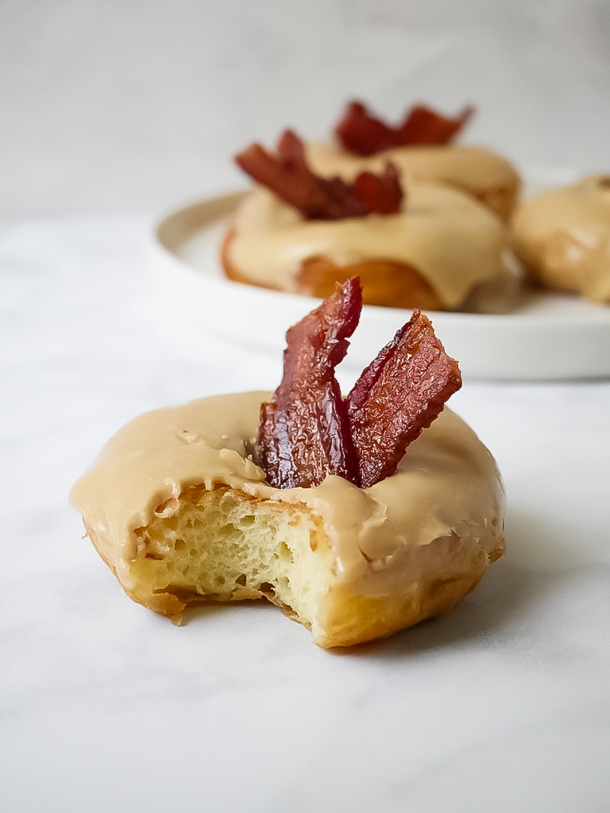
[178, 510]
[484, 174]
[563, 237]
[442, 251]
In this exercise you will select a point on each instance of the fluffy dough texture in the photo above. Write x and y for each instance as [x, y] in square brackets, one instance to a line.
[563, 237]
[181, 514]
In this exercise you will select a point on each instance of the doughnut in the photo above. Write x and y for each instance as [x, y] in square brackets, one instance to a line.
[442, 251]
[479, 172]
[180, 513]
[563, 238]
[305, 498]
[420, 147]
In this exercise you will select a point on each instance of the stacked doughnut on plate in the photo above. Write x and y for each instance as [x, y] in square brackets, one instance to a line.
[358, 516]
[420, 148]
[420, 221]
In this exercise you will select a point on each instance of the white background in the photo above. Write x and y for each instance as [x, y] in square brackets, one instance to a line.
[122, 105]
[113, 112]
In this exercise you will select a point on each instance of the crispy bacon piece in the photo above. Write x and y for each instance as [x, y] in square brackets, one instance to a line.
[362, 133]
[288, 175]
[308, 431]
[380, 193]
[397, 396]
[304, 433]
[426, 126]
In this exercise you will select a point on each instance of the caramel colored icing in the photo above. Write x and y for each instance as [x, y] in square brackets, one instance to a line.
[472, 168]
[447, 488]
[453, 241]
[563, 236]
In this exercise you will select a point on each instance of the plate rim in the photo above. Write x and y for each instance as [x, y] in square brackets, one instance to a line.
[175, 226]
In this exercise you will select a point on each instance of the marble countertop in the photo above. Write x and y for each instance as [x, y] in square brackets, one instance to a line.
[502, 705]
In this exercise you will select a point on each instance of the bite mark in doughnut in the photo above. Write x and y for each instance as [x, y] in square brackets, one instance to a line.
[183, 516]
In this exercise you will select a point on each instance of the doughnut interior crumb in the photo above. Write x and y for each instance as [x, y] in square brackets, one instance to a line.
[222, 546]
[182, 524]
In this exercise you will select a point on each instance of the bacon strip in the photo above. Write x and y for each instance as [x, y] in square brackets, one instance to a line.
[308, 431]
[381, 194]
[364, 134]
[397, 396]
[288, 176]
[425, 126]
[304, 432]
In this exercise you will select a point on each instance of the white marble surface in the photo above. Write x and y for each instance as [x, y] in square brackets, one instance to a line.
[503, 705]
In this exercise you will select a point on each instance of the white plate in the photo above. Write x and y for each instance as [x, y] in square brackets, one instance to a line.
[550, 336]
